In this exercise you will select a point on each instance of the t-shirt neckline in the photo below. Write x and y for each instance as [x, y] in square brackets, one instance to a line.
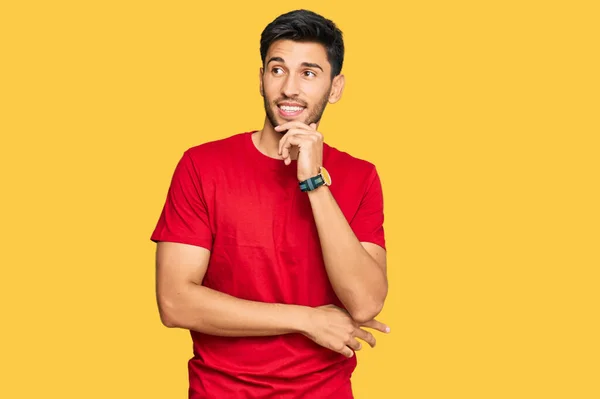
[260, 157]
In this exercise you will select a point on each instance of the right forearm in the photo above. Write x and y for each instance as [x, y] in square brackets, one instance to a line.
[202, 309]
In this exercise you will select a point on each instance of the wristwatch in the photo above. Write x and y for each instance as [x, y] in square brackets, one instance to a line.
[323, 178]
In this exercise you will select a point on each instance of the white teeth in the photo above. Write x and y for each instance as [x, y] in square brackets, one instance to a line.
[291, 109]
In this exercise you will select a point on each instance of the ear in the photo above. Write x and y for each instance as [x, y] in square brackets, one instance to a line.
[337, 88]
[260, 79]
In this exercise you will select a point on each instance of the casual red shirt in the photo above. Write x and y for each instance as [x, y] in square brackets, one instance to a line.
[248, 210]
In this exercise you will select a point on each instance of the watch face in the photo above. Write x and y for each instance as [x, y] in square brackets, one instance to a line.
[326, 176]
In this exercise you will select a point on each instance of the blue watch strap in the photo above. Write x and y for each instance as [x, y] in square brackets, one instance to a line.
[312, 183]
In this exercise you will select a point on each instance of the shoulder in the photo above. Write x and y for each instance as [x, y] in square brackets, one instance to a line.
[207, 158]
[217, 149]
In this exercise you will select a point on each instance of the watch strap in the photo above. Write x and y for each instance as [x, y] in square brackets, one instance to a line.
[312, 183]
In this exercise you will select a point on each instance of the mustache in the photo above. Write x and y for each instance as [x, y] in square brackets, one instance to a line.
[293, 100]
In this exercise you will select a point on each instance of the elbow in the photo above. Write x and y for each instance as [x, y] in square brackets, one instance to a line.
[168, 321]
[168, 313]
[369, 308]
[369, 303]
[366, 313]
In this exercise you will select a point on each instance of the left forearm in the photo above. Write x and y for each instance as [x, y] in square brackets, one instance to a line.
[357, 278]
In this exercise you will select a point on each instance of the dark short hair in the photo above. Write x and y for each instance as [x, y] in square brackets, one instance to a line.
[306, 26]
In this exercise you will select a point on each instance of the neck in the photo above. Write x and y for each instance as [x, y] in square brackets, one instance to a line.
[267, 141]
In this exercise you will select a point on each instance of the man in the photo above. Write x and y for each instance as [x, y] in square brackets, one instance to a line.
[275, 269]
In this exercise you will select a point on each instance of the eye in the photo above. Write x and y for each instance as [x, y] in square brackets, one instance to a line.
[277, 70]
[310, 74]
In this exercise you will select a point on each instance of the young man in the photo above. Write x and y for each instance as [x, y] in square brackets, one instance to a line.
[275, 269]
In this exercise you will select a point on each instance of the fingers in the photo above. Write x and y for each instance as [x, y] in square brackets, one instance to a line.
[354, 344]
[351, 345]
[377, 325]
[365, 336]
[284, 150]
[305, 134]
[345, 349]
[296, 137]
[347, 352]
[285, 144]
[295, 124]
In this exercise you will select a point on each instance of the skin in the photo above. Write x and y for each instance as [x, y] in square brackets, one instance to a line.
[356, 270]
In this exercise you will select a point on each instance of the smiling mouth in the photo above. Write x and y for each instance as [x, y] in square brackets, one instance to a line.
[290, 110]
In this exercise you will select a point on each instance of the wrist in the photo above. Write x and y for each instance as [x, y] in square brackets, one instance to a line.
[305, 176]
[320, 178]
[301, 319]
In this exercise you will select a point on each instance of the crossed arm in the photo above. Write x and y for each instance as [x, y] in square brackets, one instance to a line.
[184, 303]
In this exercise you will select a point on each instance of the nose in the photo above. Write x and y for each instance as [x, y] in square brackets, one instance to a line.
[290, 88]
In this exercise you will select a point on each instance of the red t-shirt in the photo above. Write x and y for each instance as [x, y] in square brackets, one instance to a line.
[248, 210]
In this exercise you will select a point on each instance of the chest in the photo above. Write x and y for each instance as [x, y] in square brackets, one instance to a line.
[266, 211]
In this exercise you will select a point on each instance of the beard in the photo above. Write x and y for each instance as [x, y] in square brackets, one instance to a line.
[314, 113]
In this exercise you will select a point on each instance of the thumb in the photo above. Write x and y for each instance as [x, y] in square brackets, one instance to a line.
[313, 126]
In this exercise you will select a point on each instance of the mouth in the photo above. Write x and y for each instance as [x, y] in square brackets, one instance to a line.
[290, 110]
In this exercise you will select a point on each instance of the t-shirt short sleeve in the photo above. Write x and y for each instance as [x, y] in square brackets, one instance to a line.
[367, 223]
[184, 217]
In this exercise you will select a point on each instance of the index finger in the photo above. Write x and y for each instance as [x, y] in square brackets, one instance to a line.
[292, 124]
[377, 325]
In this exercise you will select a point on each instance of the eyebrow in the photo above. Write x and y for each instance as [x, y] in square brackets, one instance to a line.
[304, 64]
[312, 65]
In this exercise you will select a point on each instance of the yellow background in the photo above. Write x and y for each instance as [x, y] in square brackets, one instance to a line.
[482, 117]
